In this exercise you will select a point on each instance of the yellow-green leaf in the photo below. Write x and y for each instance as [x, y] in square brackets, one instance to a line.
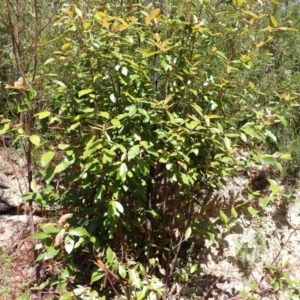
[252, 85]
[274, 21]
[46, 158]
[35, 140]
[227, 143]
[155, 12]
[43, 114]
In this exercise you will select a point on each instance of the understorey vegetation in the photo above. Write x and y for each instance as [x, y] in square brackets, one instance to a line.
[129, 114]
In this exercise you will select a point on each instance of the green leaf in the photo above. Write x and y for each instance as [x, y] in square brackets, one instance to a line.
[252, 211]
[244, 137]
[84, 92]
[187, 233]
[78, 12]
[43, 114]
[122, 271]
[51, 252]
[132, 110]
[227, 143]
[123, 171]
[115, 122]
[274, 21]
[110, 255]
[79, 231]
[46, 158]
[267, 159]
[154, 13]
[4, 129]
[59, 168]
[133, 152]
[134, 278]
[61, 84]
[49, 60]
[286, 156]
[185, 178]
[234, 212]
[104, 114]
[50, 228]
[73, 126]
[35, 140]
[39, 236]
[97, 275]
[224, 217]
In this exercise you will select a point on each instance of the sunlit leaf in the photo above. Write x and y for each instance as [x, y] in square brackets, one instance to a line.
[187, 233]
[46, 158]
[79, 231]
[35, 140]
[133, 152]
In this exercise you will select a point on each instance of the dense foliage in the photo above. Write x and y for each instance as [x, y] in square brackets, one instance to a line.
[130, 114]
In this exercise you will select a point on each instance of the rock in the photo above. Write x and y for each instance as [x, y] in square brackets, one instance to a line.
[10, 195]
[13, 228]
[4, 206]
[4, 183]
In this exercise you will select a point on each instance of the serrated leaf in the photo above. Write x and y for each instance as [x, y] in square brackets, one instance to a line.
[35, 140]
[79, 231]
[46, 158]
[187, 233]
[133, 152]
